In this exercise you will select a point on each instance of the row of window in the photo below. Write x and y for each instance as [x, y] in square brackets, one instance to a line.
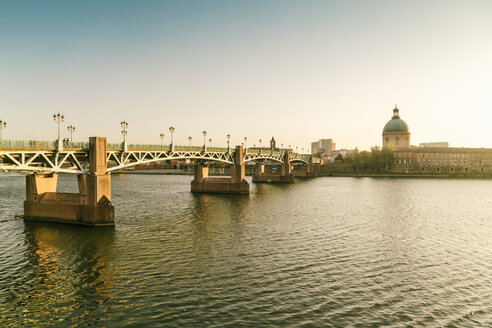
[397, 140]
[435, 162]
[438, 169]
[435, 155]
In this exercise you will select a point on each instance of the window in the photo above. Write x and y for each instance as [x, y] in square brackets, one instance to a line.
[387, 140]
[452, 169]
[423, 169]
[397, 141]
[438, 169]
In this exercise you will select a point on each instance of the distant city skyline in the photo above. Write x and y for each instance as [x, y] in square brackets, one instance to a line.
[298, 71]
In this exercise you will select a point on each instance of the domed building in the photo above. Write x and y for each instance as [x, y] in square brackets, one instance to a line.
[396, 132]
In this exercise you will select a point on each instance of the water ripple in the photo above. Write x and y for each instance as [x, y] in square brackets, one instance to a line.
[324, 252]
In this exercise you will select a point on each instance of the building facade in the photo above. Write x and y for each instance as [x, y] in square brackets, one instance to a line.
[434, 144]
[323, 146]
[443, 160]
[396, 133]
[432, 157]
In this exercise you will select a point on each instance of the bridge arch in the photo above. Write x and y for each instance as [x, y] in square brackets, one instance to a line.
[298, 160]
[164, 159]
[254, 159]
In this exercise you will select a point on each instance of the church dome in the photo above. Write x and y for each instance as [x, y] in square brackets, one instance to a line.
[396, 124]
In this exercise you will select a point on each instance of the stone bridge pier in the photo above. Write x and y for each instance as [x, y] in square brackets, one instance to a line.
[309, 170]
[236, 184]
[91, 206]
[284, 176]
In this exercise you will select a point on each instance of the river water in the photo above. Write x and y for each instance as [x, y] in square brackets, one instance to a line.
[325, 252]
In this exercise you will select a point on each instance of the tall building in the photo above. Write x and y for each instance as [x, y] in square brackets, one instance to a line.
[396, 132]
[323, 146]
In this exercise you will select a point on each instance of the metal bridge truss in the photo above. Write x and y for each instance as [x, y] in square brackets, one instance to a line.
[77, 161]
[44, 161]
[132, 158]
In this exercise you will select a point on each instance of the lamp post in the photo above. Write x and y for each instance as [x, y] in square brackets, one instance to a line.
[171, 130]
[3, 125]
[204, 133]
[71, 129]
[245, 144]
[228, 143]
[260, 145]
[59, 118]
[162, 139]
[124, 132]
[189, 139]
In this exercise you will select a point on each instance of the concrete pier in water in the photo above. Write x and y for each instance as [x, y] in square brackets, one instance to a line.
[236, 184]
[309, 170]
[91, 206]
[284, 176]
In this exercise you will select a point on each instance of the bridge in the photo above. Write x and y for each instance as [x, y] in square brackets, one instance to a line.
[43, 156]
[94, 161]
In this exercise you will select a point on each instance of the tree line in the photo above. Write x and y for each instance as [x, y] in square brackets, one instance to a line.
[377, 160]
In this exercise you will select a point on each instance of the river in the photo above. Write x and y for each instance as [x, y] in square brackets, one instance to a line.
[325, 252]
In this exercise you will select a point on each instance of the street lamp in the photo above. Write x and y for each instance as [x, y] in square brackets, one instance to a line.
[210, 141]
[245, 144]
[228, 143]
[189, 139]
[171, 129]
[71, 129]
[162, 139]
[3, 125]
[204, 133]
[260, 142]
[124, 132]
[59, 118]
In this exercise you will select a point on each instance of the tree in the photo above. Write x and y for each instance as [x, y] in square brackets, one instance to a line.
[388, 157]
[360, 160]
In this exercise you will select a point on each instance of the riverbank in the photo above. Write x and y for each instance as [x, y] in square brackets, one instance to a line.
[330, 174]
[408, 175]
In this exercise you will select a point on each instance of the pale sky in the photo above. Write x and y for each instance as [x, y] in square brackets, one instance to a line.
[296, 70]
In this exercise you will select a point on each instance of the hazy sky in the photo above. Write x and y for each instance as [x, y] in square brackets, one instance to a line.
[296, 70]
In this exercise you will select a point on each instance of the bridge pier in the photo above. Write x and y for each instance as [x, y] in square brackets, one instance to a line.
[309, 170]
[236, 184]
[91, 206]
[284, 176]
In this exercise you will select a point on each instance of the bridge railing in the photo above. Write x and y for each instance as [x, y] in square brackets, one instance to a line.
[36, 144]
[153, 147]
[40, 144]
[265, 151]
